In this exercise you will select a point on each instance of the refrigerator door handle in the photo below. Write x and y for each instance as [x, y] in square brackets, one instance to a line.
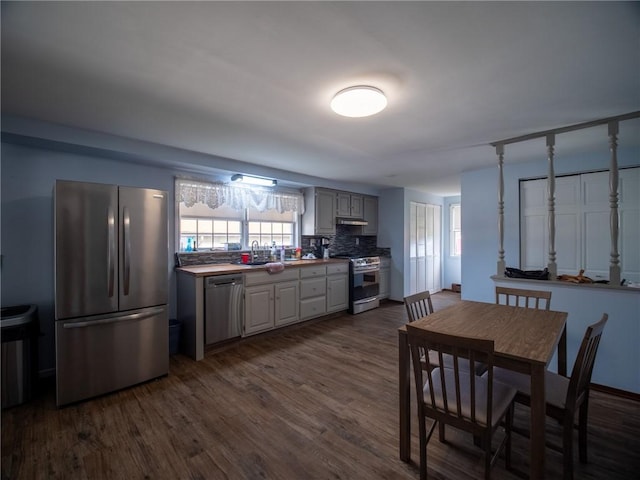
[116, 319]
[111, 250]
[127, 248]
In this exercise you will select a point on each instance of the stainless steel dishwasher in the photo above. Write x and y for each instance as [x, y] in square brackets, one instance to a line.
[223, 308]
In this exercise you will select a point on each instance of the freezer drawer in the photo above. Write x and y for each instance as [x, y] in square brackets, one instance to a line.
[101, 354]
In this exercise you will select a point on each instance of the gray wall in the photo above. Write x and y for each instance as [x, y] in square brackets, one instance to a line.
[392, 230]
[35, 154]
[28, 178]
[394, 233]
[28, 175]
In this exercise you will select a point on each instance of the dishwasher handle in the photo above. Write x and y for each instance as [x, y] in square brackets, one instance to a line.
[222, 281]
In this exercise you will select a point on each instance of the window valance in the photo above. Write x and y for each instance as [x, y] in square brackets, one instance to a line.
[216, 195]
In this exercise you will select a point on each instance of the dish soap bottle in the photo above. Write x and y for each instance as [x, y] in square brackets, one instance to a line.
[189, 247]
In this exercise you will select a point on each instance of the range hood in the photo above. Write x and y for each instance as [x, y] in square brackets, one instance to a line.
[351, 221]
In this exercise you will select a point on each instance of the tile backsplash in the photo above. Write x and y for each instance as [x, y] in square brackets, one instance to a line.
[342, 243]
[346, 241]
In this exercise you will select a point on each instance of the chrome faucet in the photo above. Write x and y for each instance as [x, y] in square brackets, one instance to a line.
[255, 245]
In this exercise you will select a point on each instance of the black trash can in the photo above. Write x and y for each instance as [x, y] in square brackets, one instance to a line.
[174, 336]
[19, 331]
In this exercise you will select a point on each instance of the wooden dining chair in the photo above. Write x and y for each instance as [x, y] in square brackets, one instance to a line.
[420, 305]
[519, 297]
[453, 397]
[564, 396]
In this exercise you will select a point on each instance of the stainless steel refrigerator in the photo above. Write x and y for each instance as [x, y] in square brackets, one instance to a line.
[111, 284]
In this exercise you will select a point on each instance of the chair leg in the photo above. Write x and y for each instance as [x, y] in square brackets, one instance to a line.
[567, 446]
[423, 449]
[583, 416]
[508, 424]
[486, 440]
[441, 432]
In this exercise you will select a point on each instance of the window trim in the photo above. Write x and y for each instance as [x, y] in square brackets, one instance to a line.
[190, 192]
[453, 251]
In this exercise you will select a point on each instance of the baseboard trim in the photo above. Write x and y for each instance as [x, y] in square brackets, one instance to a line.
[616, 392]
[391, 300]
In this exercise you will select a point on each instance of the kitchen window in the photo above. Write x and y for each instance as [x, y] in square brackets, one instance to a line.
[455, 230]
[210, 233]
[227, 217]
[280, 233]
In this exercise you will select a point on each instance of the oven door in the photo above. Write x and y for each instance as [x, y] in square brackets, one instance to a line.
[365, 284]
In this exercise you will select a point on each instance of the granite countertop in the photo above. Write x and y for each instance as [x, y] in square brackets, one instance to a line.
[210, 269]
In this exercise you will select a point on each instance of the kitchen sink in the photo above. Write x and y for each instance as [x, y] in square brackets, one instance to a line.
[254, 263]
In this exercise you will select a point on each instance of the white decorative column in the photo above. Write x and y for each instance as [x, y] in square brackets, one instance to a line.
[614, 264]
[551, 198]
[500, 153]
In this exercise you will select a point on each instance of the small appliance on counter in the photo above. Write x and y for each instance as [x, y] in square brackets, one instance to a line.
[321, 247]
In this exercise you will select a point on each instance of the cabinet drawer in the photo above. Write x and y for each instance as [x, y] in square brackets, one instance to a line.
[313, 287]
[257, 278]
[335, 268]
[312, 307]
[315, 271]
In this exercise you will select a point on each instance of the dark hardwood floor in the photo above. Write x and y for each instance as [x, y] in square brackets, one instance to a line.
[313, 401]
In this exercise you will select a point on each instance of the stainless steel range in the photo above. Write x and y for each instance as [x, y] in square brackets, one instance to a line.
[364, 283]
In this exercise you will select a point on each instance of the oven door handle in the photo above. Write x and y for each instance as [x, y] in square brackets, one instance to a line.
[366, 270]
[365, 300]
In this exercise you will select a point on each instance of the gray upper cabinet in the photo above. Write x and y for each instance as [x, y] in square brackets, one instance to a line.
[349, 205]
[370, 214]
[320, 212]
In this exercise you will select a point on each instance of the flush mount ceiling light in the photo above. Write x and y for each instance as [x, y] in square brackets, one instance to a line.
[359, 101]
[248, 179]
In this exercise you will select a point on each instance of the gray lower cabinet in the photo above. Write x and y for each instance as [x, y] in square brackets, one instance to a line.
[313, 291]
[270, 300]
[270, 303]
[259, 309]
[286, 304]
[296, 294]
[385, 276]
[337, 287]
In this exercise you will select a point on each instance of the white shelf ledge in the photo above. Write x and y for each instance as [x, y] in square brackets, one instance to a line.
[558, 283]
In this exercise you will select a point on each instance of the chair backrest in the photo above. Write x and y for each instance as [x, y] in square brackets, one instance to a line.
[454, 396]
[519, 297]
[583, 366]
[418, 305]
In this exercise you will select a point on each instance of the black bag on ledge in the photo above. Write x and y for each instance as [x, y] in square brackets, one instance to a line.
[528, 274]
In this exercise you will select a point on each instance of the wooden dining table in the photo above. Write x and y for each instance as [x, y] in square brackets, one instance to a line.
[525, 341]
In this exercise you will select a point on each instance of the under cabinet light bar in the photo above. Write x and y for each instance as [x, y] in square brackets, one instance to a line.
[248, 179]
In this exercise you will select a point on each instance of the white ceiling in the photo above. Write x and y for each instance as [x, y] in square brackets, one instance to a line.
[252, 81]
